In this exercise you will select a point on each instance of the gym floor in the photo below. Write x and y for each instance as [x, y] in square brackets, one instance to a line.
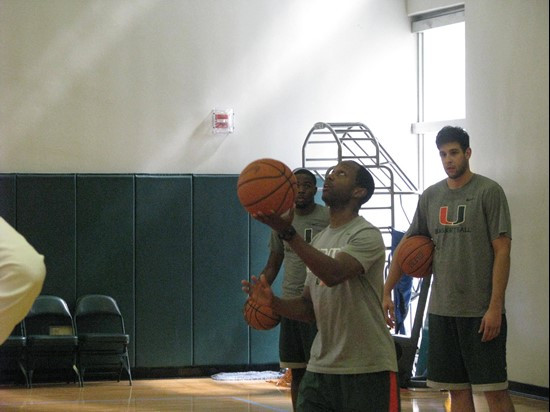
[200, 394]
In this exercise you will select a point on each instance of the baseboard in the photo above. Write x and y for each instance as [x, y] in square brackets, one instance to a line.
[532, 391]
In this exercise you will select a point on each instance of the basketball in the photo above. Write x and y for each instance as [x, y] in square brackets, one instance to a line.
[415, 256]
[260, 317]
[267, 185]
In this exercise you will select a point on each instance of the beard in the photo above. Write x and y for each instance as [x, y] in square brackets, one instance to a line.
[459, 171]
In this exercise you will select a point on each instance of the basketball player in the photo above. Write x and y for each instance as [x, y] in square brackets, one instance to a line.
[22, 273]
[295, 337]
[467, 217]
[352, 364]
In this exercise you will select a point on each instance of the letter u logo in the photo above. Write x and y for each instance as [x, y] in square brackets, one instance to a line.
[444, 215]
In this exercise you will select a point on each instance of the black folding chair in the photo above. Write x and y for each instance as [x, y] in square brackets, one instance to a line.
[51, 340]
[103, 341]
[13, 352]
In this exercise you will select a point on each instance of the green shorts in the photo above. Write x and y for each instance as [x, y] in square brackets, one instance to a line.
[295, 339]
[457, 359]
[365, 392]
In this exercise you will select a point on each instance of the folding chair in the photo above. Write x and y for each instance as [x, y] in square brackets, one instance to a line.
[13, 352]
[51, 341]
[103, 341]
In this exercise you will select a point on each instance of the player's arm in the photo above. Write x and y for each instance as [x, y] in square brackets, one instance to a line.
[298, 308]
[330, 270]
[491, 322]
[273, 265]
[394, 275]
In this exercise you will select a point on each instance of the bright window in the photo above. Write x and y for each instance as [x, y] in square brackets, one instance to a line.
[441, 86]
[444, 73]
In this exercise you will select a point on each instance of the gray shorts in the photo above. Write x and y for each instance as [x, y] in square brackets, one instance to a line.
[458, 359]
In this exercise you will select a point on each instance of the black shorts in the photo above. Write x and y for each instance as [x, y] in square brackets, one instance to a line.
[295, 339]
[364, 392]
[458, 359]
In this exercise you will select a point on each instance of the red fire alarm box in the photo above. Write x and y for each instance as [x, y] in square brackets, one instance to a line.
[222, 121]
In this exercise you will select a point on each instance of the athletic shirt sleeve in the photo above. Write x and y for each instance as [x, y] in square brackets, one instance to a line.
[497, 211]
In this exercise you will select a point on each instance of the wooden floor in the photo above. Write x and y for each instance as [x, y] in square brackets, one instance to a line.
[204, 394]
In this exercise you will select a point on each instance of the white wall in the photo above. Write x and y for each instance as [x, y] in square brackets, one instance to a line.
[128, 85]
[507, 117]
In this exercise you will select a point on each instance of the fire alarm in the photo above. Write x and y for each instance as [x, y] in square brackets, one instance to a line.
[222, 121]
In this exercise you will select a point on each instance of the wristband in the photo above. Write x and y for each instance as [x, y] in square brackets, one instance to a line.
[287, 234]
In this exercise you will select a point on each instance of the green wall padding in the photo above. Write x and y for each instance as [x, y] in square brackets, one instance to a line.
[7, 198]
[264, 344]
[46, 217]
[164, 307]
[171, 249]
[220, 261]
[105, 241]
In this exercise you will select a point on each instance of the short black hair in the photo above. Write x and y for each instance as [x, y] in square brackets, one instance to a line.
[307, 173]
[365, 180]
[453, 134]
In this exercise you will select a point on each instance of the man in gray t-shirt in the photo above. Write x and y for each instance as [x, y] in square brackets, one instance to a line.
[468, 219]
[353, 363]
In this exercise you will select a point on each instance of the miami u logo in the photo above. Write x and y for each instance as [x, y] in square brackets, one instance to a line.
[444, 215]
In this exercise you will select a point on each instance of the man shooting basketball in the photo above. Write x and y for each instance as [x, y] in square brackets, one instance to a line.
[467, 217]
[309, 219]
[352, 363]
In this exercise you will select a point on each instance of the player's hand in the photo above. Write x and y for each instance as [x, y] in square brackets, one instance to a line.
[259, 290]
[389, 311]
[490, 325]
[277, 222]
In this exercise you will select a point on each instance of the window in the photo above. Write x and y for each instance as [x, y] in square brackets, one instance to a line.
[441, 85]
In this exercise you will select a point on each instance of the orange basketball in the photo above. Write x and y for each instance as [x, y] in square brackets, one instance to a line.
[415, 256]
[267, 185]
[260, 317]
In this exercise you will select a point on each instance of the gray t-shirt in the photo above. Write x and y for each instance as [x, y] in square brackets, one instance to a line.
[294, 269]
[462, 224]
[352, 334]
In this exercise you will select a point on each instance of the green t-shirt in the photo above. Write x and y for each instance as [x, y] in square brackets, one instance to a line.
[352, 334]
[462, 224]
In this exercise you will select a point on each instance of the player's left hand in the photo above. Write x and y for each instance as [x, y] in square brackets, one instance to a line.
[490, 325]
[277, 222]
[259, 290]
